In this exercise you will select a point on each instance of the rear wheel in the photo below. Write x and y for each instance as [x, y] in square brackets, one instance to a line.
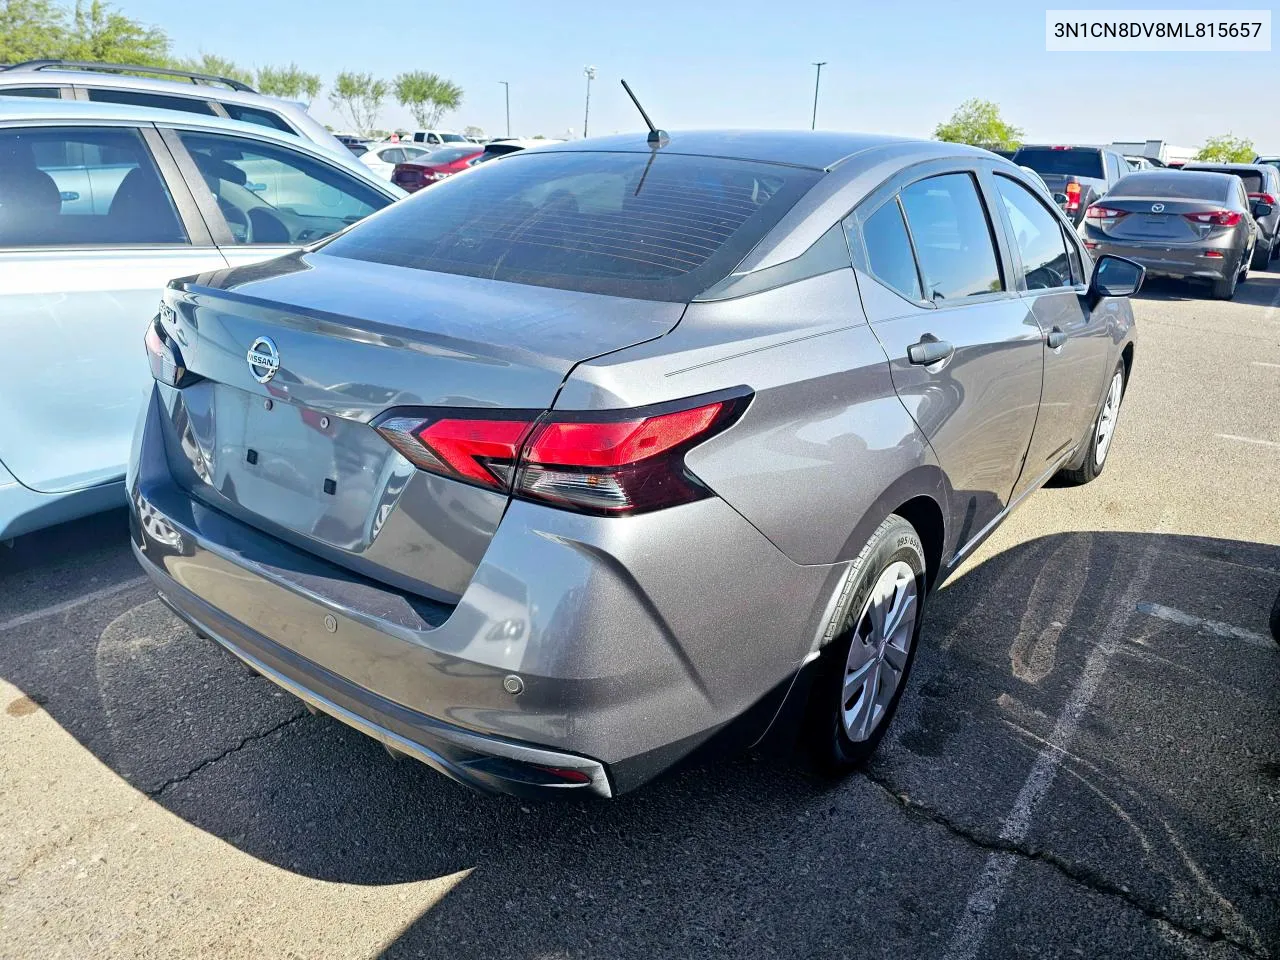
[1262, 254]
[1225, 288]
[863, 670]
[1104, 429]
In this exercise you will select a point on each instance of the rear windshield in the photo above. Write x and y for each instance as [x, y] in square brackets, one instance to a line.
[1070, 162]
[1252, 178]
[448, 154]
[656, 226]
[1176, 185]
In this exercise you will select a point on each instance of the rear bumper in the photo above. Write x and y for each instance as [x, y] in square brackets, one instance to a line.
[1171, 261]
[630, 641]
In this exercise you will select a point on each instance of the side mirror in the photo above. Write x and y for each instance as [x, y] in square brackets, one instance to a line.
[1115, 277]
[1261, 209]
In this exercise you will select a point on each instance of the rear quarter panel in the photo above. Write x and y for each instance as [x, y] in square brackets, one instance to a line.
[825, 450]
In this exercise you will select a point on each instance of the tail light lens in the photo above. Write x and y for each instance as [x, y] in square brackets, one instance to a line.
[1262, 198]
[1218, 218]
[1073, 196]
[613, 463]
[1100, 213]
[166, 362]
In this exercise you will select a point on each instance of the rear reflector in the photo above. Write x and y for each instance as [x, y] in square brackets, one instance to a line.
[1218, 218]
[1213, 254]
[612, 463]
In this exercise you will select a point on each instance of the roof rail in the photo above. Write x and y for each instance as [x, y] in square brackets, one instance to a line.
[91, 67]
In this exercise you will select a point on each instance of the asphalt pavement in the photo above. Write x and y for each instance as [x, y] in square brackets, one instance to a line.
[1087, 762]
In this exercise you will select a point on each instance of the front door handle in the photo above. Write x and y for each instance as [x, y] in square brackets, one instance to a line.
[929, 350]
[1057, 337]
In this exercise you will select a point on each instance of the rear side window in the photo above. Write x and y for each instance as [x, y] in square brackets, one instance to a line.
[143, 98]
[82, 186]
[952, 237]
[52, 93]
[393, 155]
[1066, 162]
[263, 118]
[656, 226]
[1038, 234]
[888, 250]
[272, 194]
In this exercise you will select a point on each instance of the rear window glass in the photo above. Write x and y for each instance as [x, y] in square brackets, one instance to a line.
[1174, 186]
[1072, 163]
[50, 92]
[655, 226]
[1252, 179]
[449, 154]
[263, 118]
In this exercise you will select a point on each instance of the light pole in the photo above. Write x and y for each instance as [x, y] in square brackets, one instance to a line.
[816, 80]
[590, 74]
[507, 91]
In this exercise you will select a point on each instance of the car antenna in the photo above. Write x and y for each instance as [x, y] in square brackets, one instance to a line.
[657, 138]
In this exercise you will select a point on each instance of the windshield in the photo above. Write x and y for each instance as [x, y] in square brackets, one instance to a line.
[1070, 162]
[653, 226]
[1253, 182]
[453, 138]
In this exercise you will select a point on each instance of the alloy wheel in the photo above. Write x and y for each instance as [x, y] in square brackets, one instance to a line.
[878, 652]
[1107, 419]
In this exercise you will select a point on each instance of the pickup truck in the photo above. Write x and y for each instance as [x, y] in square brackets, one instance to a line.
[1076, 176]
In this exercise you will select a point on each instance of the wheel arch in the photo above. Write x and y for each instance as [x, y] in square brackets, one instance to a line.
[920, 497]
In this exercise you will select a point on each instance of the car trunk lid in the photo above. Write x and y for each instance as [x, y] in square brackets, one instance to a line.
[293, 453]
[1153, 220]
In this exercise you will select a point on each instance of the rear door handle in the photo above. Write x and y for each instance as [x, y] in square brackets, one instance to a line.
[929, 350]
[1057, 337]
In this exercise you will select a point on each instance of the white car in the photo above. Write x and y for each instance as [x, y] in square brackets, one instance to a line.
[438, 138]
[382, 158]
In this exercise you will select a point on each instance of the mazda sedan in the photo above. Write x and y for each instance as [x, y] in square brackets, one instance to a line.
[560, 470]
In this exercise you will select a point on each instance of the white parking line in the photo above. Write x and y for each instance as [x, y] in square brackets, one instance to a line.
[1215, 627]
[980, 909]
[66, 605]
[1232, 436]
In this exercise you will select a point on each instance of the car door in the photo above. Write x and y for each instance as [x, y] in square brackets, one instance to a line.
[94, 221]
[382, 162]
[1049, 276]
[263, 199]
[964, 350]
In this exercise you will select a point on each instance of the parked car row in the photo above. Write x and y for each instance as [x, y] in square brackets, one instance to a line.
[1205, 221]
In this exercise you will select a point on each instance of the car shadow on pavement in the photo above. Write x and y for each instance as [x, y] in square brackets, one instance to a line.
[1157, 808]
[1260, 290]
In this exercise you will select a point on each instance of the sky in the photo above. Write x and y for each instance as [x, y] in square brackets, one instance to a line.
[897, 67]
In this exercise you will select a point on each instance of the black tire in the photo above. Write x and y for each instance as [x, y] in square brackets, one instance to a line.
[1225, 289]
[1275, 247]
[1261, 256]
[1275, 619]
[825, 738]
[1092, 468]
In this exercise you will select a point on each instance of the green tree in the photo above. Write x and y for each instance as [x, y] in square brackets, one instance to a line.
[427, 95]
[978, 122]
[100, 32]
[31, 30]
[291, 83]
[215, 65]
[1227, 149]
[360, 97]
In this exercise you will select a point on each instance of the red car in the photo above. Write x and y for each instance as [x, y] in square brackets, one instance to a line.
[415, 174]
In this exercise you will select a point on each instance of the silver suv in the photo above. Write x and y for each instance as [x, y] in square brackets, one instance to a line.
[188, 92]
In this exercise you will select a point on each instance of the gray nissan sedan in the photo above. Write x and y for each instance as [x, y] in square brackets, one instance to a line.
[565, 468]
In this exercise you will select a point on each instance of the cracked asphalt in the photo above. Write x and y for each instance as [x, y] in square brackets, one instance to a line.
[1087, 762]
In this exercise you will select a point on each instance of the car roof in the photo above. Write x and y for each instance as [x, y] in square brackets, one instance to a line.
[819, 150]
[1207, 165]
[52, 76]
[17, 109]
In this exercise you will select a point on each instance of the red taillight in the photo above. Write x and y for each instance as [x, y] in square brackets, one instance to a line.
[1218, 218]
[1091, 244]
[1073, 195]
[1213, 254]
[164, 357]
[1262, 198]
[612, 463]
[1099, 212]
